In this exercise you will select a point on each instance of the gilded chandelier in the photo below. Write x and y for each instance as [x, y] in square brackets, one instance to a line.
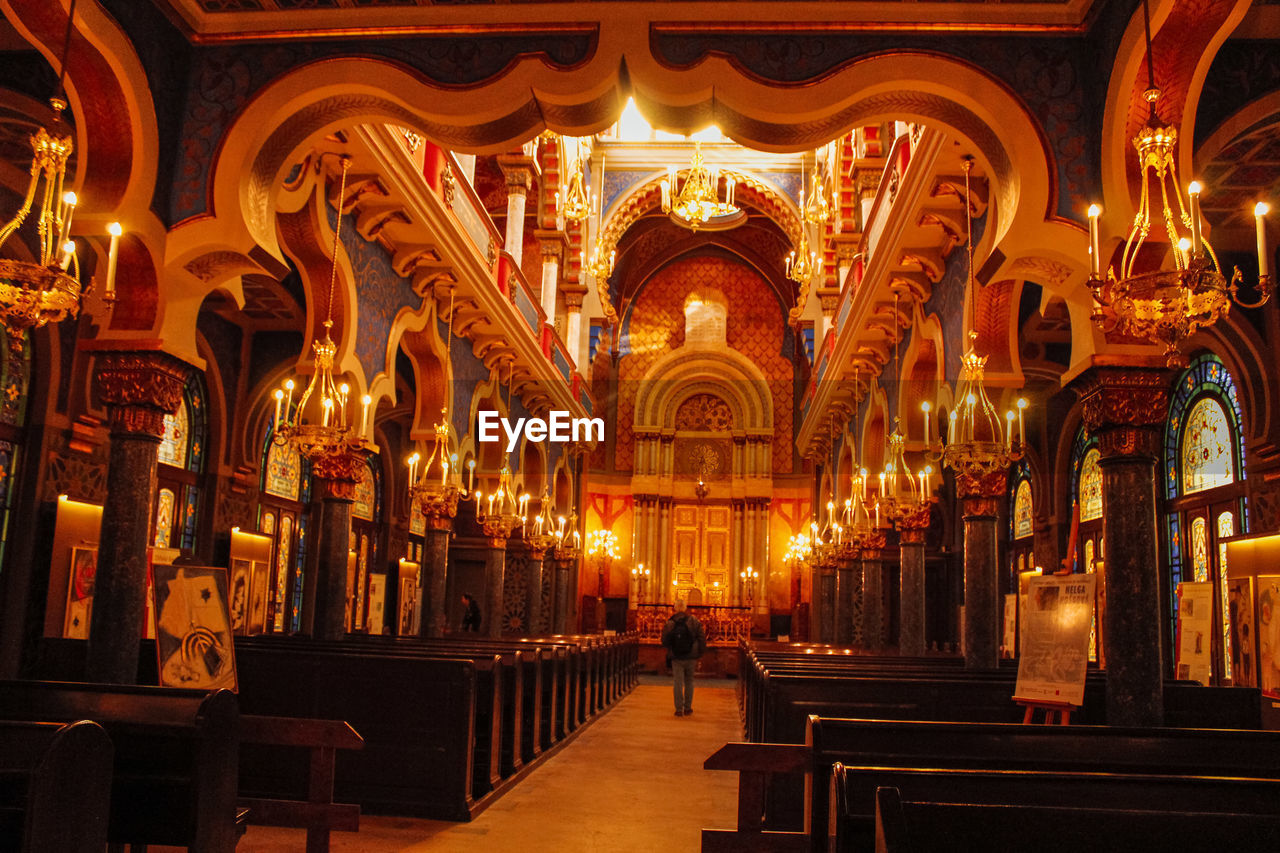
[320, 426]
[697, 204]
[48, 290]
[1168, 306]
[575, 196]
[437, 488]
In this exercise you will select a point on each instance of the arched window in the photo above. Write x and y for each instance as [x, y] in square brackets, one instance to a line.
[366, 514]
[1086, 495]
[179, 473]
[282, 515]
[1021, 524]
[1204, 489]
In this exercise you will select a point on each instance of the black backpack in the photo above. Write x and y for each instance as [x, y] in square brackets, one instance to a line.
[682, 639]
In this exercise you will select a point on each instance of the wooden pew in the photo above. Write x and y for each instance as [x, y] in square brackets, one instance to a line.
[175, 756]
[853, 818]
[1103, 749]
[317, 813]
[55, 787]
[923, 827]
[416, 715]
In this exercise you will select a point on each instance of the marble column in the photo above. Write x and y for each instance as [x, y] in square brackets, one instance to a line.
[1126, 409]
[553, 245]
[980, 497]
[519, 174]
[563, 595]
[844, 602]
[138, 389]
[535, 573]
[873, 621]
[573, 296]
[824, 602]
[911, 530]
[333, 546]
[496, 532]
[434, 578]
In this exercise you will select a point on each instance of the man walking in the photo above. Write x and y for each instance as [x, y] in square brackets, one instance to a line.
[685, 641]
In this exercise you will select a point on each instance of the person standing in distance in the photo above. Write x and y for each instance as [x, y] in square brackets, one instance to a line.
[471, 616]
[685, 641]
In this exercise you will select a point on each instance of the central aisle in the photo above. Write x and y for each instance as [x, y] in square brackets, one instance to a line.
[632, 781]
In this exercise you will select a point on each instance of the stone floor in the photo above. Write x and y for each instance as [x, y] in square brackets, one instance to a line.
[632, 781]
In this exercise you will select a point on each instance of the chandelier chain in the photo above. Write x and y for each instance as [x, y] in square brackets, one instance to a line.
[337, 232]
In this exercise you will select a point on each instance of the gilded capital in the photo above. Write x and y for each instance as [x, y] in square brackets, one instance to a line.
[1126, 408]
[139, 389]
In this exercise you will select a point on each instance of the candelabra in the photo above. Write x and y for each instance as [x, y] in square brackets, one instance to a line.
[602, 544]
[542, 535]
[48, 290]
[749, 577]
[568, 539]
[802, 265]
[1168, 305]
[437, 496]
[319, 426]
[696, 205]
[640, 577]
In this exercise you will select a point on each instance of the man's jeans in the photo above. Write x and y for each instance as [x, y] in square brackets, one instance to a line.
[683, 672]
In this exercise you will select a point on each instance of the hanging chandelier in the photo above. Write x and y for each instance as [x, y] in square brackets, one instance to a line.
[600, 264]
[541, 535]
[48, 290]
[1168, 306]
[802, 265]
[436, 489]
[697, 204]
[817, 209]
[320, 427]
[575, 196]
[502, 511]
[568, 539]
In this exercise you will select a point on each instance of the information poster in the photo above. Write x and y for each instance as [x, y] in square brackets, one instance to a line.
[1055, 639]
[1244, 647]
[1269, 635]
[1195, 631]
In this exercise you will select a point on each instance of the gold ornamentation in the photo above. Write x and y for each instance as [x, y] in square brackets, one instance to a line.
[139, 389]
[976, 506]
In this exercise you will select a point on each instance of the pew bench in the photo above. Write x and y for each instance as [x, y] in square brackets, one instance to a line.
[175, 759]
[55, 787]
[318, 813]
[903, 826]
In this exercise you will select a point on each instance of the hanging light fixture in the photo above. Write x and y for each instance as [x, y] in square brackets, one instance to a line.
[541, 535]
[502, 511]
[1168, 305]
[575, 196]
[600, 265]
[977, 446]
[438, 486]
[697, 205]
[802, 265]
[568, 539]
[320, 427]
[817, 209]
[48, 290]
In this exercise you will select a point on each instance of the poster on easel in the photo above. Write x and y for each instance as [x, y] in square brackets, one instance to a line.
[1055, 639]
[1195, 632]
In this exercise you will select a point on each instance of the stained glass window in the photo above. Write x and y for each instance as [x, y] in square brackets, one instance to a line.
[164, 518]
[1022, 510]
[362, 507]
[1212, 430]
[284, 471]
[1226, 527]
[1199, 549]
[173, 445]
[417, 521]
[1090, 486]
[282, 569]
[1206, 448]
[1088, 555]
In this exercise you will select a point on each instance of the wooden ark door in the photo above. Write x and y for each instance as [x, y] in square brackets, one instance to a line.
[702, 553]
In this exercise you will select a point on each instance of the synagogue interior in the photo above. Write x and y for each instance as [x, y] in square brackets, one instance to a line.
[378, 375]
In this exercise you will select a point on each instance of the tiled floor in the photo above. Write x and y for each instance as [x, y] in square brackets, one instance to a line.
[632, 781]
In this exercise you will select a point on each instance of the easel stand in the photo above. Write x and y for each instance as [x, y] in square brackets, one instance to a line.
[1062, 709]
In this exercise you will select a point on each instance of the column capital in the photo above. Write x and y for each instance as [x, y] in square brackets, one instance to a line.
[337, 474]
[1126, 408]
[519, 171]
[553, 244]
[913, 526]
[139, 388]
[980, 483]
[573, 295]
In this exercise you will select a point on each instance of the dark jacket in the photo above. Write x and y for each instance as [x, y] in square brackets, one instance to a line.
[695, 627]
[471, 619]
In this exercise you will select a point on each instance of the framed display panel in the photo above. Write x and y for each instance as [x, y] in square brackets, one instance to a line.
[238, 601]
[1055, 639]
[1195, 632]
[193, 627]
[80, 588]
[1253, 596]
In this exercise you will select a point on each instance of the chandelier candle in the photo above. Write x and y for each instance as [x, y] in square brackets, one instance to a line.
[1260, 211]
[1193, 193]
